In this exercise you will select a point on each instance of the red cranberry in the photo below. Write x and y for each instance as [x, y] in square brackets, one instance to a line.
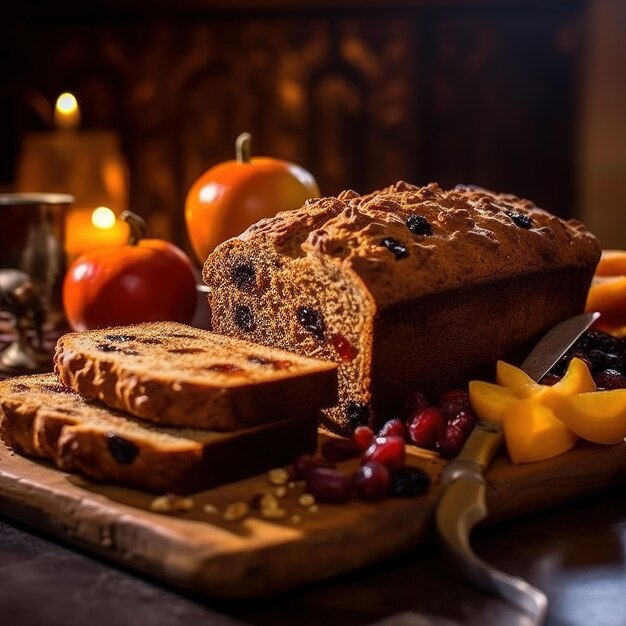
[426, 427]
[453, 402]
[456, 433]
[329, 485]
[393, 427]
[305, 463]
[413, 403]
[346, 351]
[387, 450]
[610, 379]
[363, 436]
[372, 481]
[336, 450]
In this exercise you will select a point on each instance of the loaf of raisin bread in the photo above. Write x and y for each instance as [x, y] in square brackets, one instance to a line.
[41, 417]
[407, 288]
[173, 374]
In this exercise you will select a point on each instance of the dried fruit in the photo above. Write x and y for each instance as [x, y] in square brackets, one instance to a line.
[329, 486]
[363, 436]
[453, 402]
[426, 427]
[122, 450]
[388, 450]
[520, 219]
[244, 318]
[336, 450]
[312, 320]
[304, 463]
[345, 350]
[413, 403]
[357, 414]
[456, 433]
[408, 481]
[372, 481]
[398, 250]
[393, 427]
[610, 379]
[419, 225]
[243, 276]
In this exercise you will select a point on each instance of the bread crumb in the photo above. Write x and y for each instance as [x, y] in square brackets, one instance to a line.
[278, 476]
[171, 503]
[236, 511]
[296, 519]
[274, 513]
[306, 500]
[314, 508]
[210, 508]
[280, 492]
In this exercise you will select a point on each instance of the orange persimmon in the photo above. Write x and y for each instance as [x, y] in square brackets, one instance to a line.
[235, 194]
[607, 295]
[612, 263]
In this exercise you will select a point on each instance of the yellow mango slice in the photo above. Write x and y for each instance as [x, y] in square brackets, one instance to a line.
[533, 433]
[598, 416]
[489, 400]
[577, 379]
[516, 380]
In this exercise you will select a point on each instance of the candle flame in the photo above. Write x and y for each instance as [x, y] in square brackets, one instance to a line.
[103, 218]
[67, 112]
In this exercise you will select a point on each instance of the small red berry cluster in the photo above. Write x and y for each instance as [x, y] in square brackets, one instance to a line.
[443, 427]
[382, 471]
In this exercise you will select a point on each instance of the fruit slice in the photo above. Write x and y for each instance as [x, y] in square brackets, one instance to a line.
[598, 416]
[612, 263]
[516, 380]
[607, 294]
[489, 400]
[533, 433]
[577, 379]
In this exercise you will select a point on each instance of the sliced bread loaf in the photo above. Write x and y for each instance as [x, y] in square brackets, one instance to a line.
[41, 417]
[174, 374]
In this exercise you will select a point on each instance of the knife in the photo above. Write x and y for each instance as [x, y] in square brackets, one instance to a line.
[463, 501]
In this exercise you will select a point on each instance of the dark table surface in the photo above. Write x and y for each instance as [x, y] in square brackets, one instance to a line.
[575, 553]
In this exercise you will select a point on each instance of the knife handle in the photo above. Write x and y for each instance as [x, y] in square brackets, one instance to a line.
[477, 452]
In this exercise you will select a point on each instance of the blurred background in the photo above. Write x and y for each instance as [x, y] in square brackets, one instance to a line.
[522, 96]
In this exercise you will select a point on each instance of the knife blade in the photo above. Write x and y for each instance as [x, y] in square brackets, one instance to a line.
[463, 501]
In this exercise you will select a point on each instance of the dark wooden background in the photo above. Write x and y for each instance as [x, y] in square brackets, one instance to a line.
[360, 93]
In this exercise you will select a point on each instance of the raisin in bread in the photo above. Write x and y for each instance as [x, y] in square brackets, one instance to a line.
[174, 374]
[407, 288]
[41, 417]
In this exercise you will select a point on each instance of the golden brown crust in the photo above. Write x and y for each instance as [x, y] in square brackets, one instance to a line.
[43, 418]
[177, 375]
[325, 279]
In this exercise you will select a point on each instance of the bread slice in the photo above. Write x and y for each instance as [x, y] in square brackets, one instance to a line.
[174, 374]
[42, 417]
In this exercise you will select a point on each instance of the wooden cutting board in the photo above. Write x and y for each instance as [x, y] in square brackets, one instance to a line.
[201, 552]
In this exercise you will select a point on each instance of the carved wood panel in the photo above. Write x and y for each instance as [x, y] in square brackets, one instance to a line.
[359, 97]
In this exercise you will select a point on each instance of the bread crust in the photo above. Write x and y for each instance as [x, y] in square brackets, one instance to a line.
[41, 418]
[369, 266]
[178, 381]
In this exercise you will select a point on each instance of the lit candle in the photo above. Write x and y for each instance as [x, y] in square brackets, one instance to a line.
[66, 112]
[88, 229]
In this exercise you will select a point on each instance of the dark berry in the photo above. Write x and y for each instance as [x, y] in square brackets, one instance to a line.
[225, 368]
[456, 433]
[346, 351]
[387, 450]
[407, 482]
[419, 225]
[186, 351]
[304, 463]
[122, 450]
[597, 358]
[151, 341]
[329, 486]
[453, 402]
[603, 341]
[363, 436]
[372, 481]
[336, 450]
[610, 379]
[413, 403]
[426, 427]
[550, 379]
[109, 347]
[612, 361]
[120, 338]
[243, 276]
[520, 219]
[244, 318]
[395, 247]
[393, 427]
[312, 321]
[357, 414]
[58, 388]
